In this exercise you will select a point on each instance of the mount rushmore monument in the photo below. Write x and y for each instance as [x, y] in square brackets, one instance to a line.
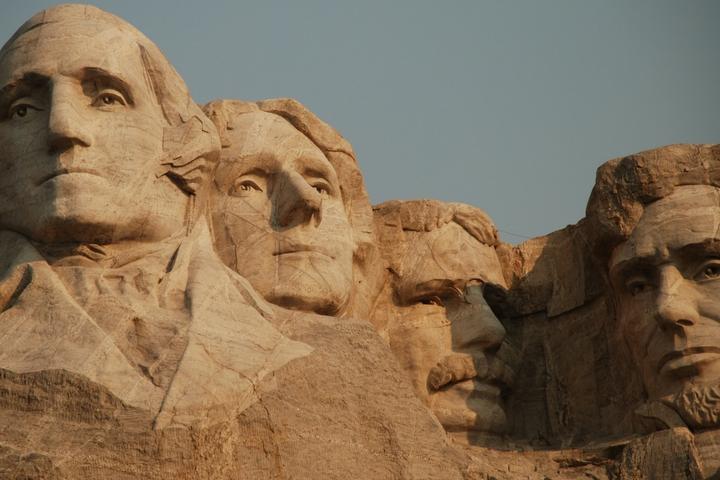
[206, 292]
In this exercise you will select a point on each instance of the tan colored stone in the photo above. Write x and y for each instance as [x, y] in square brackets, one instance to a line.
[436, 315]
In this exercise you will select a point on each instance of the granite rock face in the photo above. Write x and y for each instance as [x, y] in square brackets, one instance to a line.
[206, 293]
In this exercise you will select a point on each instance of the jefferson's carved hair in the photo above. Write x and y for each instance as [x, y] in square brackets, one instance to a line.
[625, 186]
[190, 141]
[339, 152]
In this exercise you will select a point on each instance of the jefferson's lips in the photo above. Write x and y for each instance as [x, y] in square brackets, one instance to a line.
[65, 171]
[682, 362]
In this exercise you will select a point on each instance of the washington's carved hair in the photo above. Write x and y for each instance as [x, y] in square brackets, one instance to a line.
[190, 143]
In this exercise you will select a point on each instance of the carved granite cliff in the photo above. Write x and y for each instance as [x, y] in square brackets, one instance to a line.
[207, 293]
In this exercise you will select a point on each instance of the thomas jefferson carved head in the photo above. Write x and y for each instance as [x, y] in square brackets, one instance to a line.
[657, 220]
[289, 213]
[445, 280]
[99, 138]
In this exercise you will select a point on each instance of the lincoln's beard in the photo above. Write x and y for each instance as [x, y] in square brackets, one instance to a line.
[698, 405]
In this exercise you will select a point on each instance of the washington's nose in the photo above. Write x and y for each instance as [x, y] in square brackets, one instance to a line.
[66, 127]
[674, 307]
[296, 202]
[477, 326]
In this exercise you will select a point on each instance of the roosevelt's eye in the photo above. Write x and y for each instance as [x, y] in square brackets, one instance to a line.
[432, 300]
[109, 98]
[709, 271]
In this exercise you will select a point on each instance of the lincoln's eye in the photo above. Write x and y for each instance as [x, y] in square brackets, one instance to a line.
[108, 100]
[710, 271]
[21, 111]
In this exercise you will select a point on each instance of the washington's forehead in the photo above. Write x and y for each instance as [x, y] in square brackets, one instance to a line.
[690, 215]
[57, 47]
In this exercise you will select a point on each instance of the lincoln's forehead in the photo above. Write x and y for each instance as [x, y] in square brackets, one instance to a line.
[690, 215]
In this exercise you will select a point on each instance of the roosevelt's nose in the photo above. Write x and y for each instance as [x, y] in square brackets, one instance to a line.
[476, 325]
[295, 202]
[66, 127]
[674, 305]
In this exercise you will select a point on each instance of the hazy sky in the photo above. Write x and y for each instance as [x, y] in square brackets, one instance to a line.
[506, 105]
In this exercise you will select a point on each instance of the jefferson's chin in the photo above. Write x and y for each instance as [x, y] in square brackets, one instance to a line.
[306, 285]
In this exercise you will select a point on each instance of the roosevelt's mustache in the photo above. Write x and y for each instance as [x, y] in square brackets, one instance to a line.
[498, 368]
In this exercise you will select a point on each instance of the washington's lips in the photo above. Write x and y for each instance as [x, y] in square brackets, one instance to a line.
[65, 171]
[683, 362]
[286, 248]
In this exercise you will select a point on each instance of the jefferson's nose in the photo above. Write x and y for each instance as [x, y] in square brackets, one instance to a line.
[66, 127]
[674, 306]
[296, 202]
[477, 326]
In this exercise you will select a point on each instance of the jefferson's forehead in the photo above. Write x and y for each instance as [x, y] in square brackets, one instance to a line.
[690, 215]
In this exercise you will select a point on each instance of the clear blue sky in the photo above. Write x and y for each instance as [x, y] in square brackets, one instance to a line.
[506, 105]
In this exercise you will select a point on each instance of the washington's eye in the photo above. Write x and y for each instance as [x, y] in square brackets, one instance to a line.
[709, 271]
[109, 98]
[432, 300]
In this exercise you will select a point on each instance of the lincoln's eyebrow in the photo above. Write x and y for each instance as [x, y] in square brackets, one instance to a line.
[710, 246]
[109, 79]
[632, 266]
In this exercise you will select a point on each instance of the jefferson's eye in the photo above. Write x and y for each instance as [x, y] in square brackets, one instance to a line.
[245, 187]
[709, 271]
[322, 189]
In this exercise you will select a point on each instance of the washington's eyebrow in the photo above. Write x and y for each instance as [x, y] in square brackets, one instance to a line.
[28, 81]
[108, 78]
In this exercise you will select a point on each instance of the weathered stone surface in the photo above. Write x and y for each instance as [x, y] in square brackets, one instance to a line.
[207, 293]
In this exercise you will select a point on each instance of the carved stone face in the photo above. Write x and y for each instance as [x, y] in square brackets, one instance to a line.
[279, 217]
[666, 279]
[81, 136]
[444, 332]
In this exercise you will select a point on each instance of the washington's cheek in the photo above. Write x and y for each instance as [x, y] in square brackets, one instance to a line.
[127, 153]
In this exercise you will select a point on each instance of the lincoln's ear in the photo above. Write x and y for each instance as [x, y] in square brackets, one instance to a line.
[191, 150]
